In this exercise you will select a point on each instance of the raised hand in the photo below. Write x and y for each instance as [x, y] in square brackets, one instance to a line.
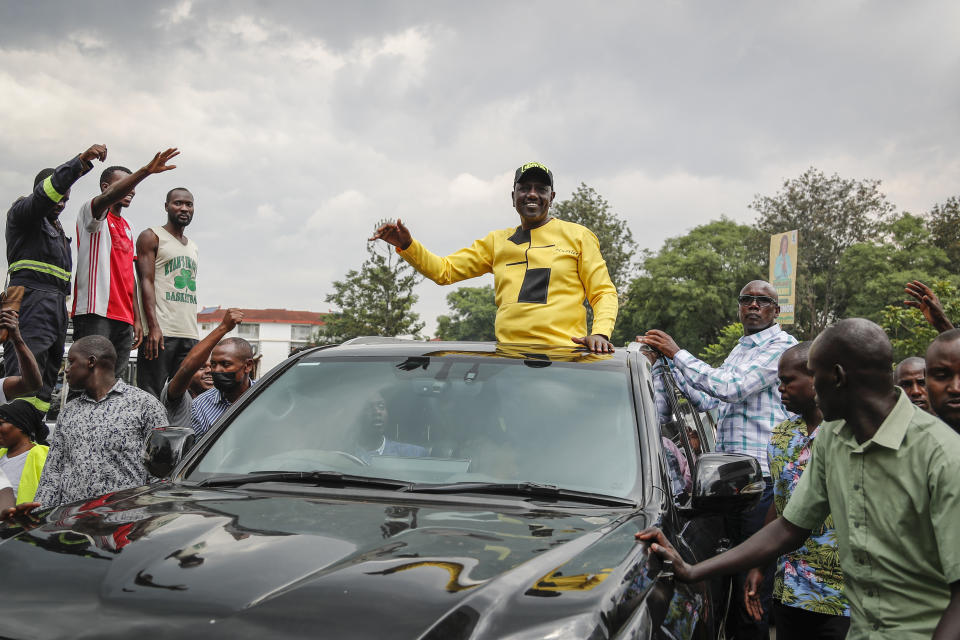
[159, 162]
[232, 318]
[929, 304]
[9, 320]
[96, 151]
[393, 233]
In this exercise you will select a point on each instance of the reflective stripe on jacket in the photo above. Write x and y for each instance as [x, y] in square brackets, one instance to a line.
[30, 477]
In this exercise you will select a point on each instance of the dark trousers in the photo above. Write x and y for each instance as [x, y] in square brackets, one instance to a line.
[43, 325]
[119, 333]
[794, 623]
[741, 526]
[153, 374]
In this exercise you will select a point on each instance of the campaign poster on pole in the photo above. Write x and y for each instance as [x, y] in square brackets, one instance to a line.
[783, 272]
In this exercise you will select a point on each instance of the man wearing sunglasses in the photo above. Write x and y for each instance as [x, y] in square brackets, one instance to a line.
[744, 391]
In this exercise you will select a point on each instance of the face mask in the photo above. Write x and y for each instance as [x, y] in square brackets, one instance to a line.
[225, 381]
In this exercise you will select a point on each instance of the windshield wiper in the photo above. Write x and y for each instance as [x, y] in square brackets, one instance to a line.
[534, 489]
[303, 477]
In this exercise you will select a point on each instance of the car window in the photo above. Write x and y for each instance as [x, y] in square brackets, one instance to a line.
[681, 434]
[440, 420]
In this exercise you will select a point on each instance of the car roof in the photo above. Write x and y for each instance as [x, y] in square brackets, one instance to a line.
[399, 347]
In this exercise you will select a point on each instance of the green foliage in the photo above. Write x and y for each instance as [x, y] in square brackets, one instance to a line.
[871, 275]
[944, 224]
[473, 311]
[714, 354]
[832, 214]
[907, 329]
[588, 208]
[377, 300]
[689, 288]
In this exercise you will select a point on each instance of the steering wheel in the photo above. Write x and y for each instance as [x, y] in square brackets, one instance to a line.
[352, 458]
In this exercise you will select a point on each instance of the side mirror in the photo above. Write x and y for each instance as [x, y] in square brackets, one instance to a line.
[727, 483]
[165, 448]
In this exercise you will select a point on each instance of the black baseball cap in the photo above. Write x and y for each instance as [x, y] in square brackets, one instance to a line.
[533, 166]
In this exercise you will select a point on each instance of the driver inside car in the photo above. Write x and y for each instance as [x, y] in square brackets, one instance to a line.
[372, 438]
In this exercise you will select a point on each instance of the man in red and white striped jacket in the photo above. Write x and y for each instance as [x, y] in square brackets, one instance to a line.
[103, 291]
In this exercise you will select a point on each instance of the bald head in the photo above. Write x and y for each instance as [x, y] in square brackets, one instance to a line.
[238, 347]
[909, 364]
[857, 345]
[798, 352]
[762, 287]
[851, 363]
[945, 338]
[97, 347]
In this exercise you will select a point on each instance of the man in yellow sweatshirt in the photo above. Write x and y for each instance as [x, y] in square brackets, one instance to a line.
[543, 270]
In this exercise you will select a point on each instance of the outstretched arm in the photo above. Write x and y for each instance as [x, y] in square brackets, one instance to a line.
[469, 262]
[53, 189]
[29, 379]
[727, 383]
[929, 304]
[660, 341]
[119, 189]
[180, 381]
[763, 547]
[147, 244]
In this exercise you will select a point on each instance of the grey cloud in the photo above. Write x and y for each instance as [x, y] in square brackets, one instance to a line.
[676, 112]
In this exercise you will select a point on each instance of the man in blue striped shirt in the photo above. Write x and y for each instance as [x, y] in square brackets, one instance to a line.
[744, 391]
[231, 364]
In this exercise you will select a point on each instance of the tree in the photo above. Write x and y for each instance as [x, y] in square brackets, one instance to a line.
[376, 300]
[943, 221]
[588, 208]
[689, 288]
[474, 311]
[832, 214]
[908, 330]
[871, 275]
[714, 354]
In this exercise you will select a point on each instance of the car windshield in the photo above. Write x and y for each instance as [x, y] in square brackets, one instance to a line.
[440, 420]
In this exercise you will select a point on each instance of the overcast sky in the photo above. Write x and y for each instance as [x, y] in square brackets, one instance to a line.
[303, 123]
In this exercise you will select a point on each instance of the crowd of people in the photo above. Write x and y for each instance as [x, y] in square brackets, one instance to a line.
[854, 529]
[854, 533]
[126, 295]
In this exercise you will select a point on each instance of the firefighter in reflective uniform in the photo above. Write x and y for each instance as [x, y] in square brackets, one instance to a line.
[39, 259]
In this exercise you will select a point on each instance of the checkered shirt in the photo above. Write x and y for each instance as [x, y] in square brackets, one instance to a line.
[744, 388]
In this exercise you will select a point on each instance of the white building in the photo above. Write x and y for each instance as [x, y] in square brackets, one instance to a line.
[273, 333]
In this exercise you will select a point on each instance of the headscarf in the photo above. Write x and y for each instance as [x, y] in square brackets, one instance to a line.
[27, 418]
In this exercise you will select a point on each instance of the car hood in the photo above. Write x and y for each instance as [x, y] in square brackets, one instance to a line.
[166, 560]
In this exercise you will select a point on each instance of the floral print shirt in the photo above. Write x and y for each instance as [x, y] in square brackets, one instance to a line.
[98, 445]
[810, 577]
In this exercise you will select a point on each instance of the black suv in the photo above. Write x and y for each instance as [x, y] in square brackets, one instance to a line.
[400, 489]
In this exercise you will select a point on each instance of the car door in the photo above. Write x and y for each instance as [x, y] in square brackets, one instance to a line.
[684, 437]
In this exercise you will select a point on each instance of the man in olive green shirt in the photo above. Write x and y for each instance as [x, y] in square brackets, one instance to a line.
[887, 472]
